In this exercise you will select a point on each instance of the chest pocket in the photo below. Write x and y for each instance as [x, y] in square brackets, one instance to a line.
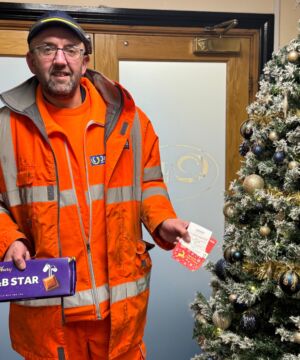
[25, 177]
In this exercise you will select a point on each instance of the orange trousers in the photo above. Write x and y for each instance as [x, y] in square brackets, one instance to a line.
[88, 340]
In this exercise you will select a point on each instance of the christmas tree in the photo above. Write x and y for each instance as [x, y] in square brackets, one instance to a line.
[254, 310]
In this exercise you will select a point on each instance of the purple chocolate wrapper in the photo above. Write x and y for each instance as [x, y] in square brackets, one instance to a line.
[42, 278]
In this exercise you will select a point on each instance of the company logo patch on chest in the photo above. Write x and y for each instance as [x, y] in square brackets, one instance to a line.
[97, 160]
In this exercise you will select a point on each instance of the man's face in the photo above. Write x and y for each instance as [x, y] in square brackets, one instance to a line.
[59, 75]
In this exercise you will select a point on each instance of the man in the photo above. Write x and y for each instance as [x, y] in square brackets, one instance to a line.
[80, 171]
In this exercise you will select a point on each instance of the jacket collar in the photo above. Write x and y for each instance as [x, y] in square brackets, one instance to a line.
[21, 99]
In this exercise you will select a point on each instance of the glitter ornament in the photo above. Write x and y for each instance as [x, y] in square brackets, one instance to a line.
[249, 323]
[222, 321]
[253, 182]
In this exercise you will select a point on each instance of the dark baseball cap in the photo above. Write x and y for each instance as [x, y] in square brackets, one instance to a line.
[61, 18]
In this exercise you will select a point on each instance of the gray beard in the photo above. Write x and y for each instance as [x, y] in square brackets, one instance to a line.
[55, 90]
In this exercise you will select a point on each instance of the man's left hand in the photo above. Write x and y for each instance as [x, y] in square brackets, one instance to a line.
[172, 230]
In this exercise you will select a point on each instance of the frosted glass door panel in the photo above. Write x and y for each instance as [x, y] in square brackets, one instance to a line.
[13, 71]
[186, 103]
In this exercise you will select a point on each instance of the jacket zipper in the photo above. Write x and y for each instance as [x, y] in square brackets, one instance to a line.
[86, 240]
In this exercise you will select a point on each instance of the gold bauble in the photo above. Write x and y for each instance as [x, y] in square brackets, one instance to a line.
[232, 298]
[293, 56]
[201, 319]
[264, 230]
[273, 136]
[296, 337]
[253, 182]
[293, 165]
[229, 210]
[222, 321]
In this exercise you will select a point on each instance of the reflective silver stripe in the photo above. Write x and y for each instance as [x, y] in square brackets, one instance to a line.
[130, 193]
[7, 158]
[96, 192]
[85, 297]
[81, 298]
[153, 173]
[130, 289]
[155, 191]
[40, 302]
[33, 194]
[136, 139]
[29, 195]
[119, 194]
[67, 198]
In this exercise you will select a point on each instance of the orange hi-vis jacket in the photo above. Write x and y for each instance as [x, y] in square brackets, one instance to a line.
[33, 204]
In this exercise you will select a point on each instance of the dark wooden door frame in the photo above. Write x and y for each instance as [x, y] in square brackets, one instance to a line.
[264, 23]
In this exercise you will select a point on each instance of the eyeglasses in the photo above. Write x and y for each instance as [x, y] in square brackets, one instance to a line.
[48, 52]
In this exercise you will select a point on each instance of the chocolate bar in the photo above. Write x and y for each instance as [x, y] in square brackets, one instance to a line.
[42, 278]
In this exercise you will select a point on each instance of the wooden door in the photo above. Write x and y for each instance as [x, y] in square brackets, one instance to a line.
[242, 70]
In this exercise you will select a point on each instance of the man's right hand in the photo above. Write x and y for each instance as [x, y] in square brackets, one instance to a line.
[18, 253]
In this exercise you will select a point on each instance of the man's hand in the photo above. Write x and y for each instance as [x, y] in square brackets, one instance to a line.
[172, 230]
[18, 253]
